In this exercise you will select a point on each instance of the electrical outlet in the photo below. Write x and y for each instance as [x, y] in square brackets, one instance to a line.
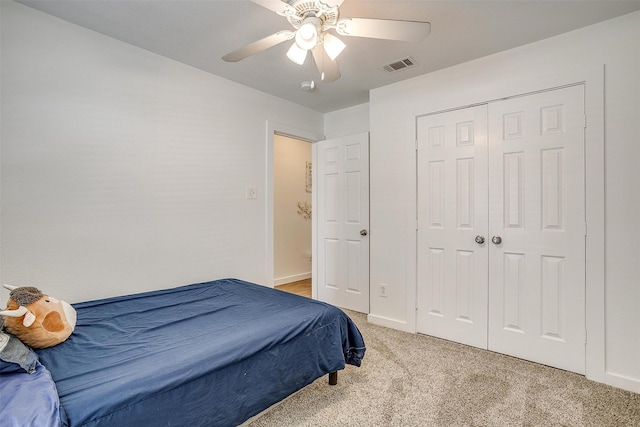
[383, 290]
[252, 192]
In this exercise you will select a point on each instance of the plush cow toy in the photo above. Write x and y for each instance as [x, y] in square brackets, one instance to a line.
[38, 320]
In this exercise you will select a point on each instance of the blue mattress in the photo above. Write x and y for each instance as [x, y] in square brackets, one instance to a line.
[208, 354]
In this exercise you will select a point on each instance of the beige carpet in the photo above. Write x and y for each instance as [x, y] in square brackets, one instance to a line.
[415, 380]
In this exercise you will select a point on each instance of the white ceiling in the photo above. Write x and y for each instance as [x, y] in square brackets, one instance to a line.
[200, 32]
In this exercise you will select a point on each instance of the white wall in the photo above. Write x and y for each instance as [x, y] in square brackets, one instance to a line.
[292, 232]
[347, 121]
[124, 171]
[613, 153]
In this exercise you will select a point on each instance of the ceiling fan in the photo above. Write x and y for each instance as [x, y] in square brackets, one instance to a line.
[312, 20]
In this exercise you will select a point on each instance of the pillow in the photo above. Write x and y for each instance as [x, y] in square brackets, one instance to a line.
[15, 356]
[37, 319]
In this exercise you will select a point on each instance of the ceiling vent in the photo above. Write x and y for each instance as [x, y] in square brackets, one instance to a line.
[398, 65]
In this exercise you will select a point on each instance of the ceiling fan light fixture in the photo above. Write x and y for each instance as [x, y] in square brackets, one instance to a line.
[333, 46]
[312, 19]
[308, 33]
[296, 54]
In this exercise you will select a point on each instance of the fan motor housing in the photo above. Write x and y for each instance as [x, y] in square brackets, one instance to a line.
[305, 8]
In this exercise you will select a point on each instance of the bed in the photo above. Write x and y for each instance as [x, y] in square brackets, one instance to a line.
[207, 354]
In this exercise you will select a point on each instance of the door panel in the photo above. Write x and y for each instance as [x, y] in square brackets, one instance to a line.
[452, 211]
[513, 173]
[343, 212]
[536, 282]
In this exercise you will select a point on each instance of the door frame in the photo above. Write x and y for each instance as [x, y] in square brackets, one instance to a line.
[594, 81]
[275, 128]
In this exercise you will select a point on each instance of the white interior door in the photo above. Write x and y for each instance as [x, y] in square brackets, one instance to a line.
[452, 225]
[537, 271]
[522, 291]
[343, 221]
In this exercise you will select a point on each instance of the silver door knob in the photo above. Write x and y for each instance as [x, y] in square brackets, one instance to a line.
[363, 233]
[496, 240]
[479, 239]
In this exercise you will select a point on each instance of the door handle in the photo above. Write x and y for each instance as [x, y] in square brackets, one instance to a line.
[363, 232]
[496, 240]
[479, 239]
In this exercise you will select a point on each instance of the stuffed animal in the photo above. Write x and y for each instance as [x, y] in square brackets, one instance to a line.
[38, 320]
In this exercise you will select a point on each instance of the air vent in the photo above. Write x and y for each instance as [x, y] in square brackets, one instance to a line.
[398, 65]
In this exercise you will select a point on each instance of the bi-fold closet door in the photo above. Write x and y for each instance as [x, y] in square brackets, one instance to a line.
[501, 227]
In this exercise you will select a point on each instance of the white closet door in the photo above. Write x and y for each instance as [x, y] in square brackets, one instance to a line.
[537, 227]
[452, 213]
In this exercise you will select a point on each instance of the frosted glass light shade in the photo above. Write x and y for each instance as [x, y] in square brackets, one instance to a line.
[307, 34]
[333, 46]
[296, 54]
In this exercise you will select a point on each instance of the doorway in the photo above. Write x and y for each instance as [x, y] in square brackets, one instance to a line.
[273, 130]
[292, 210]
[354, 275]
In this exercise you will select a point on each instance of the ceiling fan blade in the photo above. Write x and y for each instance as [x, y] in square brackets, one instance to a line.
[327, 68]
[258, 46]
[411, 31]
[277, 6]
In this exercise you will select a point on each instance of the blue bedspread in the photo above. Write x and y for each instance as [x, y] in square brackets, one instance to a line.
[29, 399]
[209, 354]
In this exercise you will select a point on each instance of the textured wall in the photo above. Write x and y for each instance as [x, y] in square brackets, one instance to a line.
[124, 171]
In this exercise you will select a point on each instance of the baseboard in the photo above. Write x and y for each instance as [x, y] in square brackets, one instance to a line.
[620, 381]
[289, 279]
[389, 323]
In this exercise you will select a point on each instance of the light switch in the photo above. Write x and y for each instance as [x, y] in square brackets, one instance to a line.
[252, 192]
